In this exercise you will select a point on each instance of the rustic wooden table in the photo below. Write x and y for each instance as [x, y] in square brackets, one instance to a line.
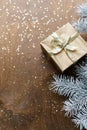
[26, 103]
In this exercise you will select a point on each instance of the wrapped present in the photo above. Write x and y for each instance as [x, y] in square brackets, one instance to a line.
[65, 47]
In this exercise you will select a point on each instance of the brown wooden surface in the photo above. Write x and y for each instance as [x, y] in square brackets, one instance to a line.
[25, 73]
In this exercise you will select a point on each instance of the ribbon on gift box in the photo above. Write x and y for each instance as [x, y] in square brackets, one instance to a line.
[58, 44]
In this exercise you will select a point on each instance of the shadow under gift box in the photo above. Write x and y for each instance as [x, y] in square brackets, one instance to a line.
[61, 59]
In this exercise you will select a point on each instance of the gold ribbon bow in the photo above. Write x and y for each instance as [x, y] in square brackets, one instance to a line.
[58, 44]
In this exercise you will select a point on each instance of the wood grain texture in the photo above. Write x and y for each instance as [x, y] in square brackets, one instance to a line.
[26, 103]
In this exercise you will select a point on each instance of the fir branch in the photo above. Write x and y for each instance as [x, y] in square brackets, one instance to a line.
[76, 105]
[81, 120]
[82, 10]
[81, 25]
[82, 74]
[76, 91]
[66, 86]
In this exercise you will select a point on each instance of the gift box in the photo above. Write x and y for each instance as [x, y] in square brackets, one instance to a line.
[65, 47]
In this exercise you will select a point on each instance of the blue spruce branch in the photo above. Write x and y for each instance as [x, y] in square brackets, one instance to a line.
[81, 24]
[82, 10]
[76, 91]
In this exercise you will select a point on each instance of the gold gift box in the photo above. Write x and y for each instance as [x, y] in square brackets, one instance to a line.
[64, 59]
